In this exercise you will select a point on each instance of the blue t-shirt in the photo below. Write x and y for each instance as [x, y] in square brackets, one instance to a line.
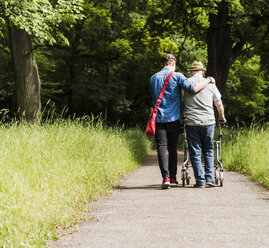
[169, 109]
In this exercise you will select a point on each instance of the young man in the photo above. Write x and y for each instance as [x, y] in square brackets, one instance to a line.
[167, 120]
[200, 125]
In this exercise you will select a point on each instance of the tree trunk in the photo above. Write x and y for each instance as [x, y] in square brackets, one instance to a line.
[222, 49]
[26, 75]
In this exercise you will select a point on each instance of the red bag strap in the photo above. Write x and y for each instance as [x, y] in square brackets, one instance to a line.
[163, 89]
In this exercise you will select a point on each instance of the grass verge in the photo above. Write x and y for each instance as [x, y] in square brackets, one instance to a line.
[49, 173]
[247, 151]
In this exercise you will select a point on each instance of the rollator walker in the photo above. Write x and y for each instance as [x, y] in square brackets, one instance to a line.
[218, 167]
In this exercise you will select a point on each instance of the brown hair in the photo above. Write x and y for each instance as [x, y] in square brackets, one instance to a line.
[167, 59]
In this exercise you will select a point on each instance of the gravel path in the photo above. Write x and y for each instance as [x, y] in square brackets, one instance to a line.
[140, 215]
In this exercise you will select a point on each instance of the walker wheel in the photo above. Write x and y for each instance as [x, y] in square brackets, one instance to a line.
[221, 176]
[183, 177]
[188, 177]
[217, 176]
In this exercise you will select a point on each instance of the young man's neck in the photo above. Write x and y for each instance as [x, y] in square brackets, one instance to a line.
[172, 67]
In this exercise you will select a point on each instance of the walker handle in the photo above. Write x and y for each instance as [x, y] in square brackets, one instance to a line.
[221, 125]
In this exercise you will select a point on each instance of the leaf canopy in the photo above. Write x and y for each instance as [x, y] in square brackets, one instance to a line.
[42, 18]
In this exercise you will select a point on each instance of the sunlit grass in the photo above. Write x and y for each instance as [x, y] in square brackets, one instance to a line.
[50, 172]
[247, 151]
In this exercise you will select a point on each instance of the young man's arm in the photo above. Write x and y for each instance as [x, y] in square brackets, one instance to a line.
[201, 85]
[192, 87]
[220, 108]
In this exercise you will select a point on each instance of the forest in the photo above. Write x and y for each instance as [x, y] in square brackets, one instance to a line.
[95, 57]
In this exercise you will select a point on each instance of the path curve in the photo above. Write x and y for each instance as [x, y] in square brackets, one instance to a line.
[140, 215]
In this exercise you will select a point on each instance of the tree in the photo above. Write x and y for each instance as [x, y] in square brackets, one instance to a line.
[26, 74]
[234, 29]
[223, 48]
[38, 20]
[227, 27]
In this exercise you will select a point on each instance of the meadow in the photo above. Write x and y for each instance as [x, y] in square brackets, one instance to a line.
[50, 172]
[247, 151]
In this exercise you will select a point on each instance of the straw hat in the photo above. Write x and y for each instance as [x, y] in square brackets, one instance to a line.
[197, 66]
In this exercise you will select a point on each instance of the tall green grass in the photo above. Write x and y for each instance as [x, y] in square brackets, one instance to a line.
[247, 151]
[49, 173]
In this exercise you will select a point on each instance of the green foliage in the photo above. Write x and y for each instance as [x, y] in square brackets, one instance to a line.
[52, 81]
[188, 52]
[115, 46]
[246, 151]
[41, 18]
[49, 173]
[107, 67]
[245, 100]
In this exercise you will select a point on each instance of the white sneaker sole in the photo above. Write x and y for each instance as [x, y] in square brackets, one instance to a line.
[211, 184]
[166, 186]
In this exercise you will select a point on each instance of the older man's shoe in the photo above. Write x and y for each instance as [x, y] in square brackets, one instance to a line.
[211, 184]
[199, 186]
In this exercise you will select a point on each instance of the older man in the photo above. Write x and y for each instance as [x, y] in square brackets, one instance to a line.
[200, 125]
[167, 120]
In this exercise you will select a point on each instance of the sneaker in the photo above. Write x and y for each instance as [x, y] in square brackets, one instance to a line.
[211, 184]
[166, 183]
[199, 186]
[174, 182]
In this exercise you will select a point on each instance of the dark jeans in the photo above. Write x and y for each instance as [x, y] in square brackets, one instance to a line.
[166, 136]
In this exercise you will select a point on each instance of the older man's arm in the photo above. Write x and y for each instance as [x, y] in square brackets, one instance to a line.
[220, 108]
[198, 87]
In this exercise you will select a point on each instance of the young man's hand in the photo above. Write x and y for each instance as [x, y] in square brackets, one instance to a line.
[212, 80]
